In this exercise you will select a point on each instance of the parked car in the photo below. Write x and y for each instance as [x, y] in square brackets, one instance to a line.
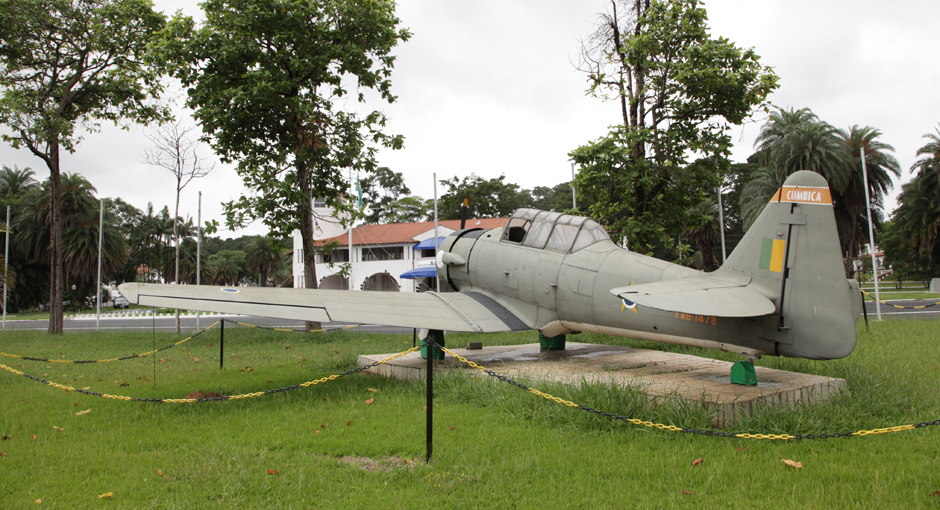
[121, 302]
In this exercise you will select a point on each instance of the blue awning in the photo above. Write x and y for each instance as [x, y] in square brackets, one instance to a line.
[428, 244]
[420, 272]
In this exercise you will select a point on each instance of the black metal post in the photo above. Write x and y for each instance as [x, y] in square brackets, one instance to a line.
[430, 395]
[463, 214]
[864, 310]
[222, 344]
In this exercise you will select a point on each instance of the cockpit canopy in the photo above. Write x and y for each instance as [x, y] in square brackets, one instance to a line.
[552, 231]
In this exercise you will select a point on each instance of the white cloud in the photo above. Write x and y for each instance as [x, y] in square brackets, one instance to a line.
[488, 87]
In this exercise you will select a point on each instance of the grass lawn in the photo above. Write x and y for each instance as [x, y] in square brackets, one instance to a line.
[495, 446]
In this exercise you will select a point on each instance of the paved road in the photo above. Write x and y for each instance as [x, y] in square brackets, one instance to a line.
[908, 312]
[188, 324]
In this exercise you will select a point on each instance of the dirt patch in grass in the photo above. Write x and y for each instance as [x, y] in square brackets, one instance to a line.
[384, 464]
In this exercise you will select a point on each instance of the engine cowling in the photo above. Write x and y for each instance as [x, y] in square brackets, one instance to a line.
[453, 258]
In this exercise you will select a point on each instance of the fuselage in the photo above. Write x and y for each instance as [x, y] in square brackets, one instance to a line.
[560, 282]
[557, 292]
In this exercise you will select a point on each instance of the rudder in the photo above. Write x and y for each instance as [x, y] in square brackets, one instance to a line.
[793, 257]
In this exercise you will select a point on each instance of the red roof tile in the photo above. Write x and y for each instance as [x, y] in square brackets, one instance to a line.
[403, 233]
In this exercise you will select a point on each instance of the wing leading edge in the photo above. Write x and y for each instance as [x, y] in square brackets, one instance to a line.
[706, 295]
[470, 312]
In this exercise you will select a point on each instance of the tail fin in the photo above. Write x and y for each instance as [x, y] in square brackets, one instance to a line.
[793, 257]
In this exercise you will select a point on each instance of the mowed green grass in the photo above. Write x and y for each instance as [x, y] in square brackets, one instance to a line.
[495, 446]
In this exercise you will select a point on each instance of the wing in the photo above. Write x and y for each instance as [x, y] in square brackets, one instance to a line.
[705, 295]
[466, 311]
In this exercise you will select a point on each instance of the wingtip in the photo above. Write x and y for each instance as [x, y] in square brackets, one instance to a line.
[130, 291]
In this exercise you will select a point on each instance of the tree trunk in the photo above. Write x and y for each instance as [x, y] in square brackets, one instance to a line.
[176, 237]
[55, 240]
[306, 236]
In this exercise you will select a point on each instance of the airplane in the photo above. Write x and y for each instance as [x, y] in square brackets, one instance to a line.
[781, 292]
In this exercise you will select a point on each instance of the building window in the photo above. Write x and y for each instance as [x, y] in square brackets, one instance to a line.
[319, 203]
[391, 253]
[335, 256]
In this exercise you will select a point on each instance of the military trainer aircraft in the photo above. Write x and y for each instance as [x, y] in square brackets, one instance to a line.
[782, 291]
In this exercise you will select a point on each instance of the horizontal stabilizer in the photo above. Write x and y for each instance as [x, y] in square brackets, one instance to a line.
[705, 295]
[452, 311]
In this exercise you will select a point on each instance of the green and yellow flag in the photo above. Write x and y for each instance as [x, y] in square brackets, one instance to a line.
[771, 254]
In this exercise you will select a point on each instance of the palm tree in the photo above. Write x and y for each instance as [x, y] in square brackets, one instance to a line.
[794, 140]
[815, 147]
[930, 163]
[80, 250]
[779, 125]
[8, 274]
[15, 182]
[263, 256]
[222, 271]
[79, 232]
[851, 206]
[706, 234]
[917, 218]
[756, 193]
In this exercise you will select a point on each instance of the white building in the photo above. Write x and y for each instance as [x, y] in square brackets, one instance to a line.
[381, 253]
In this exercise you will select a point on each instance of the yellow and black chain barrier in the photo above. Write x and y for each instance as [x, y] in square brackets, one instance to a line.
[674, 428]
[211, 399]
[132, 356]
[286, 330]
[921, 307]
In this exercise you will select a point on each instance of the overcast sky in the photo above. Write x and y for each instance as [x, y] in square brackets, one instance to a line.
[488, 87]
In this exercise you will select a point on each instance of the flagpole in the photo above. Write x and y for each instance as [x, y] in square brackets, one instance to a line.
[352, 279]
[198, 249]
[100, 243]
[6, 268]
[871, 234]
[437, 280]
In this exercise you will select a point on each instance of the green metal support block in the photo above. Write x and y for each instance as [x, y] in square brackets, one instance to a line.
[551, 343]
[438, 337]
[743, 373]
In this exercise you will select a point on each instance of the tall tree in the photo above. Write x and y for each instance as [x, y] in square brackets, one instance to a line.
[409, 209]
[852, 206]
[794, 140]
[791, 140]
[917, 218]
[928, 156]
[174, 151]
[706, 233]
[66, 64]
[265, 77]
[14, 182]
[678, 90]
[488, 198]
[263, 257]
[79, 233]
[380, 190]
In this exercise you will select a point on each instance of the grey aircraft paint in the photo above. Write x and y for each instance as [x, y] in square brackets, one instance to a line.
[782, 291]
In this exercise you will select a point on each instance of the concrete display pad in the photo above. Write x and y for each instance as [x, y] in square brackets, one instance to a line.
[660, 375]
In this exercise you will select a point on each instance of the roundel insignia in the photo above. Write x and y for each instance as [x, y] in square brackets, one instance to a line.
[229, 290]
[626, 304]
